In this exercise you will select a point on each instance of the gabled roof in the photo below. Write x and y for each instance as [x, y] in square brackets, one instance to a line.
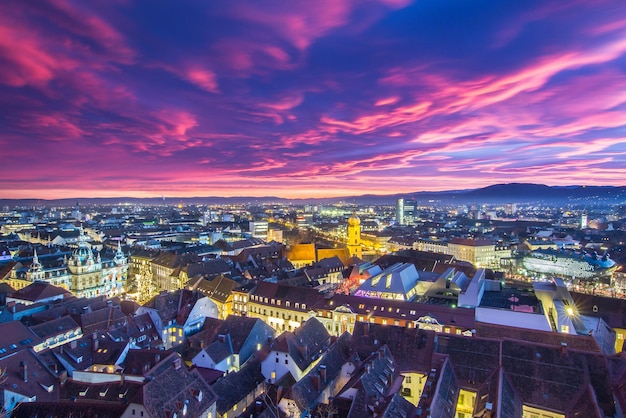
[374, 380]
[343, 254]
[218, 350]
[219, 288]
[235, 386]
[15, 337]
[174, 305]
[40, 382]
[140, 362]
[104, 319]
[207, 268]
[37, 291]
[398, 408]
[69, 408]
[305, 344]
[90, 350]
[55, 327]
[331, 263]
[295, 295]
[412, 348]
[306, 391]
[555, 339]
[301, 252]
[171, 387]
[549, 377]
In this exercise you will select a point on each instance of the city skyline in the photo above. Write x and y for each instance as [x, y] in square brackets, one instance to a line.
[309, 99]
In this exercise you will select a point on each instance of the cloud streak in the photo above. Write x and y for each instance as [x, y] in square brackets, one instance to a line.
[308, 98]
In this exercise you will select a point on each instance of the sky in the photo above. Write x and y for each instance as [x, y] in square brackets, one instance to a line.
[305, 98]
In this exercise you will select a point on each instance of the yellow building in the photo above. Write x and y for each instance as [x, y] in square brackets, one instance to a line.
[354, 236]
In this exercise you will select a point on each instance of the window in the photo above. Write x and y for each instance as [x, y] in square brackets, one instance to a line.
[286, 361]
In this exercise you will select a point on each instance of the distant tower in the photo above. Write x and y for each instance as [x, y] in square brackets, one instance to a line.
[400, 212]
[76, 214]
[584, 223]
[354, 236]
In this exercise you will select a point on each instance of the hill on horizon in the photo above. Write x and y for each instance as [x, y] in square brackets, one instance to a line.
[496, 193]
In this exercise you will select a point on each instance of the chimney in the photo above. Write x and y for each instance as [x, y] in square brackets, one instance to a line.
[316, 381]
[24, 371]
[323, 373]
[563, 349]
[94, 340]
[157, 358]
[73, 344]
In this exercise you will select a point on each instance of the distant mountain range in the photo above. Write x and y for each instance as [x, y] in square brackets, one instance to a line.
[497, 193]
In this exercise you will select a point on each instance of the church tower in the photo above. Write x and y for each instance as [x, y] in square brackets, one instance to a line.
[35, 272]
[354, 236]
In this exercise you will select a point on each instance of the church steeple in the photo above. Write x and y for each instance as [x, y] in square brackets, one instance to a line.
[35, 266]
[354, 236]
[119, 255]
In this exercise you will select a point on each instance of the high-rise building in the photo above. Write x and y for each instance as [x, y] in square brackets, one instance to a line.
[258, 229]
[584, 222]
[400, 211]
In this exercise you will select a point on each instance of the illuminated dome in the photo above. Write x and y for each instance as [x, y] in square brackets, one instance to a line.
[354, 220]
[83, 254]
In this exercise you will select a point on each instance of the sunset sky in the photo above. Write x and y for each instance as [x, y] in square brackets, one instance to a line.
[311, 98]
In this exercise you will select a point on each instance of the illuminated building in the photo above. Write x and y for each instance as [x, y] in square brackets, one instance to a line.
[584, 222]
[354, 236]
[57, 276]
[481, 253]
[569, 264]
[85, 274]
[284, 308]
[398, 282]
[258, 229]
[91, 276]
[400, 211]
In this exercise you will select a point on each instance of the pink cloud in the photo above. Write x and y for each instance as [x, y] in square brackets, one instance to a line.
[203, 78]
[25, 61]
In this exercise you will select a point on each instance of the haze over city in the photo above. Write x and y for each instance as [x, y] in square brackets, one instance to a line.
[308, 98]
